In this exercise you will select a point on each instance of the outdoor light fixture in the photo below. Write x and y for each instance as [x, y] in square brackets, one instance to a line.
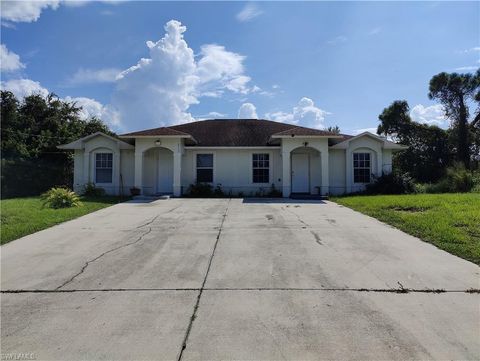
[158, 142]
[305, 144]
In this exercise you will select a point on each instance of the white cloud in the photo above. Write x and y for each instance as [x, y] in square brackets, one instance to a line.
[363, 130]
[160, 89]
[92, 108]
[89, 76]
[26, 10]
[433, 115]
[247, 111]
[337, 40]
[9, 61]
[471, 50]
[466, 68]
[24, 87]
[30, 10]
[249, 12]
[305, 113]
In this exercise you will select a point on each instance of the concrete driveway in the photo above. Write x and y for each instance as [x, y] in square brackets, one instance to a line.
[219, 279]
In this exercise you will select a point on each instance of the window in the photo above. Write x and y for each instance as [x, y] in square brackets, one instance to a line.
[261, 168]
[361, 168]
[103, 167]
[205, 168]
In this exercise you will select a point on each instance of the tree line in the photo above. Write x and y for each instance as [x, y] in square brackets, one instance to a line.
[31, 130]
[431, 148]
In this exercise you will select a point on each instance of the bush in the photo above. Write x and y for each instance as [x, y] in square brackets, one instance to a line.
[200, 190]
[476, 181]
[274, 193]
[90, 190]
[218, 192]
[457, 179]
[391, 183]
[60, 198]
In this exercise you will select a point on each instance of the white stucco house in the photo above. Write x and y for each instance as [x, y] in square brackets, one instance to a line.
[241, 155]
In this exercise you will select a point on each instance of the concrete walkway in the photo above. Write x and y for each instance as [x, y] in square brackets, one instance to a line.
[217, 279]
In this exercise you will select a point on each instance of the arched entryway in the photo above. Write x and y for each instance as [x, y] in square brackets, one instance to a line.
[306, 174]
[158, 171]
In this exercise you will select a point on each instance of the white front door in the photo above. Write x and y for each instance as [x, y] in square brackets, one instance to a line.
[164, 171]
[300, 173]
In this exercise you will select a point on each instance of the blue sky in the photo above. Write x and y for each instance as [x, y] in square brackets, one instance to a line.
[310, 63]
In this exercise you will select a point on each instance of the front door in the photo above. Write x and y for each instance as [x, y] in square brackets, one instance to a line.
[164, 171]
[300, 173]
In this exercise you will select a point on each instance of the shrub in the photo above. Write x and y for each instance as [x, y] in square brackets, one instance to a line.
[200, 190]
[459, 179]
[90, 190]
[218, 192]
[60, 198]
[476, 181]
[274, 192]
[391, 183]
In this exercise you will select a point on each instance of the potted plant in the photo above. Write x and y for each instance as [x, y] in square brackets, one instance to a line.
[134, 191]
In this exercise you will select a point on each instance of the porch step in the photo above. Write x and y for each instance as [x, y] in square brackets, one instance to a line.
[152, 197]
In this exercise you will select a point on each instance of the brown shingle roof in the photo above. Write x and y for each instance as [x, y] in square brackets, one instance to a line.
[231, 132]
[156, 131]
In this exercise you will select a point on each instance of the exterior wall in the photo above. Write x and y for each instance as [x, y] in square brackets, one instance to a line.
[330, 169]
[336, 171]
[232, 169]
[127, 170]
[78, 179]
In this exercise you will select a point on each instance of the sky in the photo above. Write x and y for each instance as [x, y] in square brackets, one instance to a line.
[139, 65]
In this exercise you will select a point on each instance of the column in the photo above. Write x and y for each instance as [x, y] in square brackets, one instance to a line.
[86, 167]
[177, 173]
[286, 174]
[139, 170]
[325, 173]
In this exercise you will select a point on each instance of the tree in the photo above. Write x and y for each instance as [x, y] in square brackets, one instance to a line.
[31, 131]
[428, 153]
[455, 92]
[333, 129]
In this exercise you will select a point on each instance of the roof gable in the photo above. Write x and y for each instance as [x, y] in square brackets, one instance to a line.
[386, 144]
[80, 143]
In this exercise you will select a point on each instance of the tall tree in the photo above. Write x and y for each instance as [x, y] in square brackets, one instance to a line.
[30, 133]
[427, 154]
[333, 129]
[455, 92]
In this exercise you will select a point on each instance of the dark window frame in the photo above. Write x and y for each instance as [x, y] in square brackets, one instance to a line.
[104, 167]
[362, 167]
[204, 173]
[261, 168]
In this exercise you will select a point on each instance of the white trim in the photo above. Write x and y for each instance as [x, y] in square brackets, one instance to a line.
[195, 166]
[154, 136]
[80, 143]
[94, 180]
[191, 147]
[306, 136]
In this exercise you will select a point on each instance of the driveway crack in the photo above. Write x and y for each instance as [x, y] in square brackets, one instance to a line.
[202, 288]
[82, 270]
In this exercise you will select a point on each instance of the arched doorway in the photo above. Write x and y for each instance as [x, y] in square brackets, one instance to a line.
[158, 171]
[305, 170]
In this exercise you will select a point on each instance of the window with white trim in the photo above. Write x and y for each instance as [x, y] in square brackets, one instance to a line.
[103, 167]
[204, 168]
[261, 168]
[361, 168]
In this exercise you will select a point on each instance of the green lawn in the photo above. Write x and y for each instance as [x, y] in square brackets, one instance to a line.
[449, 221]
[22, 216]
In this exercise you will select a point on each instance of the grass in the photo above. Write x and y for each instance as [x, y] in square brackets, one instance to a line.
[22, 216]
[449, 221]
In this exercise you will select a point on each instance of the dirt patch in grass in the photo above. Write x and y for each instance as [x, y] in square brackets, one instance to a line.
[410, 209]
